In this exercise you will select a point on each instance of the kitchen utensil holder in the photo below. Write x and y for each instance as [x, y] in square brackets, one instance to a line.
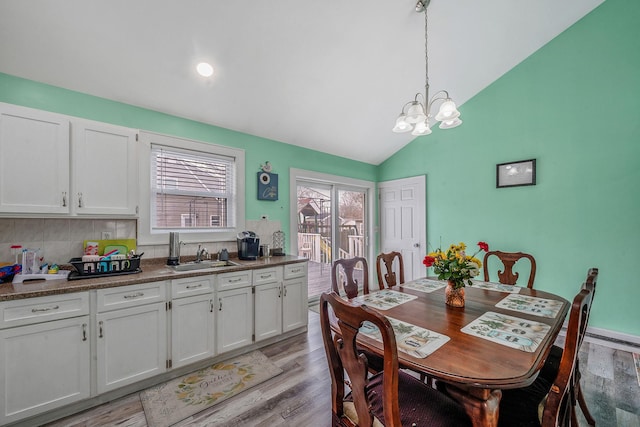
[103, 268]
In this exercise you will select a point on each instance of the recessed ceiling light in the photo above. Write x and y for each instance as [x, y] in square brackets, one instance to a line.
[205, 69]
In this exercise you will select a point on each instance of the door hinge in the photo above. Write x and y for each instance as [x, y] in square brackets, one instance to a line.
[169, 363]
[253, 289]
[168, 305]
[137, 210]
[136, 136]
[253, 337]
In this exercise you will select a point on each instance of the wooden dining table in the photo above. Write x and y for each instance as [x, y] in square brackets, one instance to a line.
[475, 369]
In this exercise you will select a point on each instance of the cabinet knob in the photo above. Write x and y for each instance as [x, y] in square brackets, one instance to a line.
[84, 332]
[64, 199]
[100, 335]
[79, 200]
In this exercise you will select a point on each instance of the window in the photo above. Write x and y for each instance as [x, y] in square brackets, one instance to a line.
[189, 187]
[192, 187]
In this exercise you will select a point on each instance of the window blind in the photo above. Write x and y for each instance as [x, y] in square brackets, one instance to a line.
[190, 188]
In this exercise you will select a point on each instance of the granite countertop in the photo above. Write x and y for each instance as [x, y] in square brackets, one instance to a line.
[153, 270]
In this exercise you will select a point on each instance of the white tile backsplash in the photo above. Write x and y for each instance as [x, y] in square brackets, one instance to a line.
[60, 238]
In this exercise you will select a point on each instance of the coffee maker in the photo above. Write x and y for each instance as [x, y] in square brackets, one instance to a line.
[248, 245]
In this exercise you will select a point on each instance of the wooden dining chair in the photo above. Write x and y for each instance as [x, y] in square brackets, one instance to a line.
[390, 277]
[392, 397]
[508, 259]
[552, 363]
[343, 275]
[551, 403]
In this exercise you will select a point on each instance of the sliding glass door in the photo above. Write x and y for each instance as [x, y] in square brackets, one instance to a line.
[332, 222]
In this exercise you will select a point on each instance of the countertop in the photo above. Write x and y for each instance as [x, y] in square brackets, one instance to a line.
[153, 270]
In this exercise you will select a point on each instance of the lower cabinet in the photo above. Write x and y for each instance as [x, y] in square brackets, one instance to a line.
[192, 320]
[294, 304]
[131, 341]
[294, 297]
[43, 365]
[235, 319]
[268, 313]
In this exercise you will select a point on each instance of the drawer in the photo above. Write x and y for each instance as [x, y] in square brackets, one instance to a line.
[43, 309]
[131, 296]
[267, 275]
[298, 269]
[238, 279]
[191, 286]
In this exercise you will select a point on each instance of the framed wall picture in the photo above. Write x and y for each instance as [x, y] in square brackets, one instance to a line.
[516, 174]
[267, 186]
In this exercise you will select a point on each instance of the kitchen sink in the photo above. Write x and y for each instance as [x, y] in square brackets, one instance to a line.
[193, 265]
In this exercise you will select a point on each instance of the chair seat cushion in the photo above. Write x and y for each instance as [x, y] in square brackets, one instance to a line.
[520, 407]
[552, 364]
[419, 403]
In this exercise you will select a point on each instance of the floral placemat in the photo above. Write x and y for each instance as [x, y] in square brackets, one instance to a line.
[411, 339]
[531, 305]
[491, 286]
[513, 332]
[384, 299]
[424, 285]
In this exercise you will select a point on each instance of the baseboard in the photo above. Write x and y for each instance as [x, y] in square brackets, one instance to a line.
[612, 339]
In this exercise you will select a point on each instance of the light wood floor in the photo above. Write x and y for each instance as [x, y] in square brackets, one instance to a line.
[300, 396]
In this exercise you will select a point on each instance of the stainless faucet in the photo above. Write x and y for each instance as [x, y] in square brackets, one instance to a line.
[201, 253]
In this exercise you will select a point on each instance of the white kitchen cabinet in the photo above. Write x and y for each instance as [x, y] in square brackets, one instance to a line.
[268, 302]
[34, 161]
[192, 320]
[104, 168]
[44, 361]
[131, 334]
[294, 297]
[234, 322]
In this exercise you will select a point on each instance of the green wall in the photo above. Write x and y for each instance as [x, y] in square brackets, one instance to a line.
[15, 90]
[573, 106]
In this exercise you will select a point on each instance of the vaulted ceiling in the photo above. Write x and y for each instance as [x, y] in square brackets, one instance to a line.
[328, 75]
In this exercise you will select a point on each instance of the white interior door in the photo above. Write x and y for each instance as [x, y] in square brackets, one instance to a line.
[403, 222]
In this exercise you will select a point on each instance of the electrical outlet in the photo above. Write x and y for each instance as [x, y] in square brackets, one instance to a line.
[106, 235]
[265, 217]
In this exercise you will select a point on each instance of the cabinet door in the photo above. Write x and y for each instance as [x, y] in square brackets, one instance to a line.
[294, 303]
[234, 325]
[105, 169]
[131, 345]
[44, 366]
[34, 161]
[268, 310]
[192, 329]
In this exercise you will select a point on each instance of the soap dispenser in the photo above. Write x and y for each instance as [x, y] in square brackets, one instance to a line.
[223, 255]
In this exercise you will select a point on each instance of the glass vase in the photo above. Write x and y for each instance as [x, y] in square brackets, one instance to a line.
[454, 297]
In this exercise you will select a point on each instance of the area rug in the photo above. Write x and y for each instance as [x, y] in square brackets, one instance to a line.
[180, 398]
[636, 361]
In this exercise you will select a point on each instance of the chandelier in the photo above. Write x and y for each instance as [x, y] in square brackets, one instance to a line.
[416, 114]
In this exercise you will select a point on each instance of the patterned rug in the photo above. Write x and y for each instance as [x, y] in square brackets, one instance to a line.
[636, 361]
[175, 400]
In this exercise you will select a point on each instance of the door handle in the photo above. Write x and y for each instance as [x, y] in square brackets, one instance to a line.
[416, 245]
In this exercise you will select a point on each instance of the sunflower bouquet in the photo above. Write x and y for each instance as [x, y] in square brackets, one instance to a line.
[455, 265]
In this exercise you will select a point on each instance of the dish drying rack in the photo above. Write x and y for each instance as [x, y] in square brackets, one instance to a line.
[104, 268]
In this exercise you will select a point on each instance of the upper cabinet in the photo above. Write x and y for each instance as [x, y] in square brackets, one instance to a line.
[56, 164]
[104, 169]
[34, 161]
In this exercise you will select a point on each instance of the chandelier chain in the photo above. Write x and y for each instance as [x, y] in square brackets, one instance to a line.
[426, 60]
